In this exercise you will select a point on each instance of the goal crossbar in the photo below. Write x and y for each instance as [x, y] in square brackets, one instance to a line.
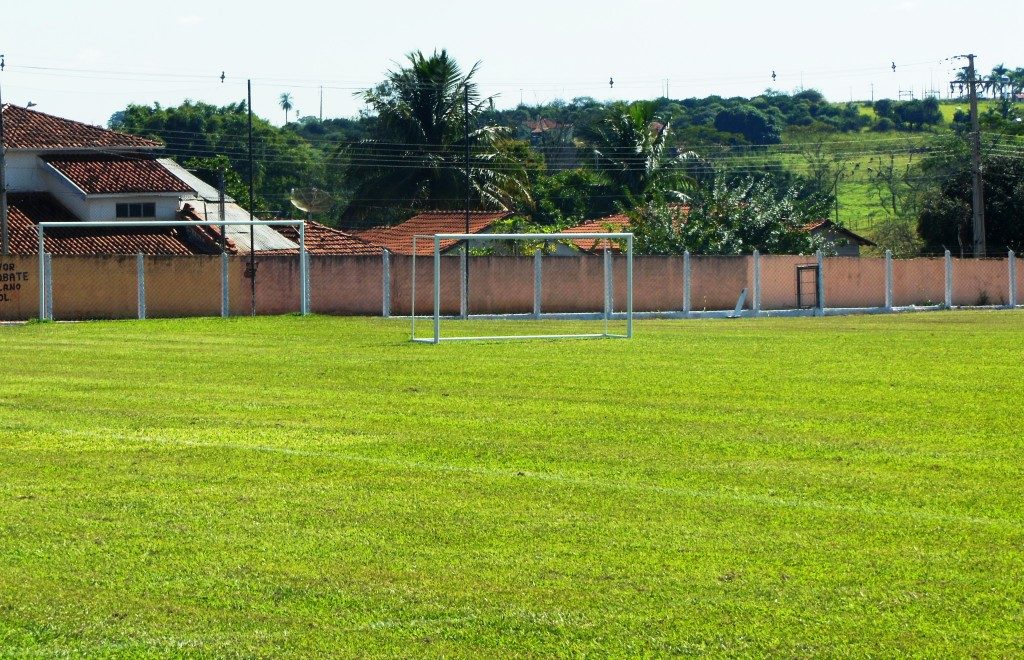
[300, 224]
[437, 239]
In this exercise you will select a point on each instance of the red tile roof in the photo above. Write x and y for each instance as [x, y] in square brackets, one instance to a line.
[824, 226]
[29, 129]
[28, 209]
[324, 240]
[398, 239]
[111, 175]
[611, 224]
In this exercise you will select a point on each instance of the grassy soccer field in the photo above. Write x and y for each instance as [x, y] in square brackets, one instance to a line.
[846, 486]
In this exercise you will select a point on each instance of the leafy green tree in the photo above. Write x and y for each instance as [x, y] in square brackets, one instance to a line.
[416, 158]
[631, 149]
[286, 104]
[749, 122]
[726, 219]
[568, 198]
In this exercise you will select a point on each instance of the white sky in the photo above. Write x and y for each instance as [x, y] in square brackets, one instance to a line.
[534, 51]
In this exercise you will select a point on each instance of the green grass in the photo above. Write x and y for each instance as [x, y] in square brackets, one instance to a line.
[288, 486]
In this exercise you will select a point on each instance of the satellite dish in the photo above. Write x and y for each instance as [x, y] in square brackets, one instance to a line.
[311, 200]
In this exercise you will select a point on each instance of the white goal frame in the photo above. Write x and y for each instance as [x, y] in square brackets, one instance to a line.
[606, 316]
[129, 224]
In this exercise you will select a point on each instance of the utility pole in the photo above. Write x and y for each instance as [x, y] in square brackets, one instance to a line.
[469, 189]
[5, 245]
[978, 182]
[221, 211]
[251, 271]
[321, 104]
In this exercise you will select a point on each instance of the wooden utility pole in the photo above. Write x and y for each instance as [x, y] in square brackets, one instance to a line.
[469, 188]
[251, 271]
[978, 182]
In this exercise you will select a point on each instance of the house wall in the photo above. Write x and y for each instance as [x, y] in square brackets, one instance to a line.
[88, 287]
[24, 172]
[104, 209]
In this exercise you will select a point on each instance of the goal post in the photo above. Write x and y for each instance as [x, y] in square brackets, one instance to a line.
[219, 279]
[521, 286]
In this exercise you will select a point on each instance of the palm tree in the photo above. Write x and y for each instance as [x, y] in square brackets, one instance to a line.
[286, 104]
[631, 148]
[417, 157]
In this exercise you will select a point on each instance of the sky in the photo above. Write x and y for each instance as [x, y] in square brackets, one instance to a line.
[86, 60]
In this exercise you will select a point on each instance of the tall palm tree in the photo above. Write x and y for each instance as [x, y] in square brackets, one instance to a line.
[631, 149]
[417, 157]
[286, 104]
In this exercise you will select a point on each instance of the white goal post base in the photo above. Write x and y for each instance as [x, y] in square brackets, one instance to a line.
[606, 316]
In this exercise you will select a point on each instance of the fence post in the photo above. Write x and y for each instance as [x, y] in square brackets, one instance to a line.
[538, 275]
[821, 284]
[225, 309]
[608, 287]
[949, 280]
[386, 283]
[1012, 268]
[140, 279]
[686, 282]
[888, 281]
[48, 284]
[756, 304]
[463, 270]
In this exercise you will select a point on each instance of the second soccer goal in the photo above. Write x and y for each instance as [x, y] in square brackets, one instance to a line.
[522, 286]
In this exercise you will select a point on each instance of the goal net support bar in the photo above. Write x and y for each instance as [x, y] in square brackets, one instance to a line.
[625, 240]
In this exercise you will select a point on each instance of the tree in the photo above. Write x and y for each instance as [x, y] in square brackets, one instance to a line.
[727, 219]
[946, 218]
[749, 122]
[416, 157]
[286, 104]
[631, 149]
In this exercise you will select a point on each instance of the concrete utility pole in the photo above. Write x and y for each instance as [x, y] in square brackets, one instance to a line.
[978, 197]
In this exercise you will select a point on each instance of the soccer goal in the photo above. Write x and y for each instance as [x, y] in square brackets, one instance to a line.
[157, 268]
[467, 287]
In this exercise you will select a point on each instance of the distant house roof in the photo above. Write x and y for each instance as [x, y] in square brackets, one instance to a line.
[30, 129]
[26, 210]
[613, 223]
[543, 125]
[324, 240]
[398, 239]
[103, 174]
[829, 227]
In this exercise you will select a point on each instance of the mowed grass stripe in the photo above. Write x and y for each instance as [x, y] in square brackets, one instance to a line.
[291, 486]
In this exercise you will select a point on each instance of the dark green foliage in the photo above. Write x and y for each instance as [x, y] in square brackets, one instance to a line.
[755, 126]
[910, 115]
[726, 218]
[946, 220]
[570, 197]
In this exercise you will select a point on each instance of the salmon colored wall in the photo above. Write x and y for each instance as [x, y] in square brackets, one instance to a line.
[19, 288]
[86, 287]
[851, 282]
[778, 280]
[919, 281]
[981, 281]
[182, 286]
[346, 285]
[717, 282]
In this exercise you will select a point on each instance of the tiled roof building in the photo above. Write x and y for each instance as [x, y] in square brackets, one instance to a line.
[398, 239]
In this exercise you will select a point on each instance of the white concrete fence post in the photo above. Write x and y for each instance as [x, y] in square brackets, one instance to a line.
[463, 283]
[140, 279]
[686, 283]
[538, 278]
[48, 286]
[386, 283]
[821, 284]
[756, 305]
[949, 280]
[225, 301]
[609, 285]
[888, 281]
[1012, 270]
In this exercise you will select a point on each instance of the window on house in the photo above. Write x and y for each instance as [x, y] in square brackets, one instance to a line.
[141, 210]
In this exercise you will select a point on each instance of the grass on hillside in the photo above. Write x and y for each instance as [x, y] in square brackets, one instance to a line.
[290, 486]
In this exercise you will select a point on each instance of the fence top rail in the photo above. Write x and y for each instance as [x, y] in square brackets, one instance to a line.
[529, 237]
[172, 223]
